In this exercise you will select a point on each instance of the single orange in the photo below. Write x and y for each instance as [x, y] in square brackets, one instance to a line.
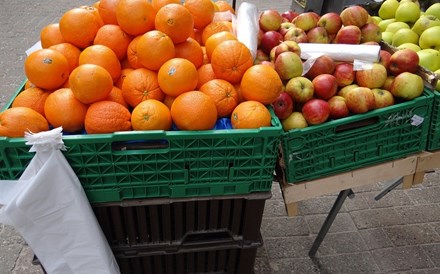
[205, 73]
[151, 115]
[124, 73]
[107, 117]
[250, 114]
[261, 83]
[223, 94]
[215, 27]
[115, 95]
[175, 21]
[216, 39]
[177, 76]
[107, 11]
[154, 48]
[135, 17]
[33, 98]
[14, 122]
[51, 35]
[190, 50]
[115, 38]
[140, 85]
[70, 52]
[102, 56]
[202, 11]
[157, 4]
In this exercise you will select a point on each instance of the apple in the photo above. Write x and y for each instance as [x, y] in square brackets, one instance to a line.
[270, 39]
[316, 111]
[348, 35]
[296, 34]
[429, 59]
[344, 74]
[360, 100]
[407, 12]
[283, 105]
[343, 91]
[395, 26]
[371, 32]
[434, 9]
[318, 35]
[331, 22]
[372, 78]
[324, 64]
[388, 82]
[289, 15]
[429, 38]
[384, 23]
[270, 20]
[403, 60]
[285, 26]
[387, 36]
[376, 19]
[404, 36]
[338, 107]
[384, 58]
[300, 89]
[260, 56]
[288, 65]
[411, 46]
[354, 15]
[325, 86]
[268, 63]
[382, 98]
[287, 46]
[295, 120]
[306, 21]
[388, 9]
[424, 23]
[407, 86]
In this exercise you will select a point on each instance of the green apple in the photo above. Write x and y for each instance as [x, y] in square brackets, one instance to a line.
[407, 86]
[410, 1]
[388, 9]
[412, 46]
[429, 59]
[376, 19]
[395, 26]
[425, 22]
[437, 87]
[404, 36]
[387, 36]
[407, 12]
[434, 9]
[384, 23]
[430, 38]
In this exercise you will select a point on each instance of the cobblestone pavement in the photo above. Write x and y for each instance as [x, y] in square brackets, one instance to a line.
[398, 234]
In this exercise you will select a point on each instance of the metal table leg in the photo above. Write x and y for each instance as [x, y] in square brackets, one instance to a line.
[329, 220]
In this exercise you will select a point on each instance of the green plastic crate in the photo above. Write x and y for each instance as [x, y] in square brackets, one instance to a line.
[151, 164]
[434, 131]
[356, 141]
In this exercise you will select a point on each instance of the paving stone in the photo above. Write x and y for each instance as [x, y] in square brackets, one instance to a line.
[411, 234]
[276, 191]
[274, 208]
[342, 223]
[359, 202]
[319, 205]
[262, 265]
[288, 247]
[8, 235]
[433, 251]
[338, 243]
[425, 195]
[284, 226]
[436, 227]
[24, 263]
[293, 266]
[8, 255]
[349, 264]
[426, 271]
[401, 258]
[431, 179]
[419, 213]
[378, 217]
[396, 197]
[375, 238]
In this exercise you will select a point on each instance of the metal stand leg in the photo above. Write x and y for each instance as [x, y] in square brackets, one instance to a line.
[329, 220]
[388, 189]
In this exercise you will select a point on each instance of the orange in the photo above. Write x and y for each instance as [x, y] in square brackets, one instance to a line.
[124, 73]
[135, 17]
[107, 117]
[190, 50]
[261, 83]
[230, 60]
[216, 39]
[177, 76]
[79, 26]
[70, 52]
[51, 35]
[224, 95]
[250, 114]
[215, 27]
[151, 115]
[102, 56]
[154, 48]
[115, 95]
[115, 38]
[175, 21]
[62, 109]
[140, 85]
[194, 110]
[28, 84]
[33, 98]
[107, 11]
[46, 68]
[157, 4]
[224, 6]
[168, 101]
[90, 83]
[202, 11]
[205, 73]
[14, 122]
[132, 55]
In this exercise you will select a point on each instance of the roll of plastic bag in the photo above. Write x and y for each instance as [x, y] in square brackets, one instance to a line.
[246, 26]
[49, 208]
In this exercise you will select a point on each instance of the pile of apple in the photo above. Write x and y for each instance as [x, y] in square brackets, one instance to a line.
[330, 89]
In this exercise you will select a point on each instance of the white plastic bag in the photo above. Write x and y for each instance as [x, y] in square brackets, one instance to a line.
[50, 210]
[246, 26]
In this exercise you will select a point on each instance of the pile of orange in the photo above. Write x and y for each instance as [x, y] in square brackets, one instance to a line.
[124, 65]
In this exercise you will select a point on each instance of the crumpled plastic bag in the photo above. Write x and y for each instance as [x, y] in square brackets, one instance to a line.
[49, 208]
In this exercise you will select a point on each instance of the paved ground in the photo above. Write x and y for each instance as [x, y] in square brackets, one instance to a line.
[398, 234]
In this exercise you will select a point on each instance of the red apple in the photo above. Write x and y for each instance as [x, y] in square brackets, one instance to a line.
[343, 91]
[260, 56]
[354, 15]
[270, 39]
[331, 22]
[270, 20]
[384, 58]
[404, 60]
[296, 34]
[324, 64]
[268, 63]
[287, 46]
[388, 82]
[289, 15]
[372, 78]
[382, 98]
[338, 107]
[306, 21]
[325, 86]
[348, 35]
[371, 32]
[318, 35]
[285, 26]
[316, 111]
[300, 89]
[288, 65]
[359, 99]
[344, 74]
[283, 105]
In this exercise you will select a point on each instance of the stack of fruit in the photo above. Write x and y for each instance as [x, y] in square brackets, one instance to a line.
[142, 65]
[330, 89]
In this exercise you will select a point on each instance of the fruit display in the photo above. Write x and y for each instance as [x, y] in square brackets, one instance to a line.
[332, 89]
[142, 65]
